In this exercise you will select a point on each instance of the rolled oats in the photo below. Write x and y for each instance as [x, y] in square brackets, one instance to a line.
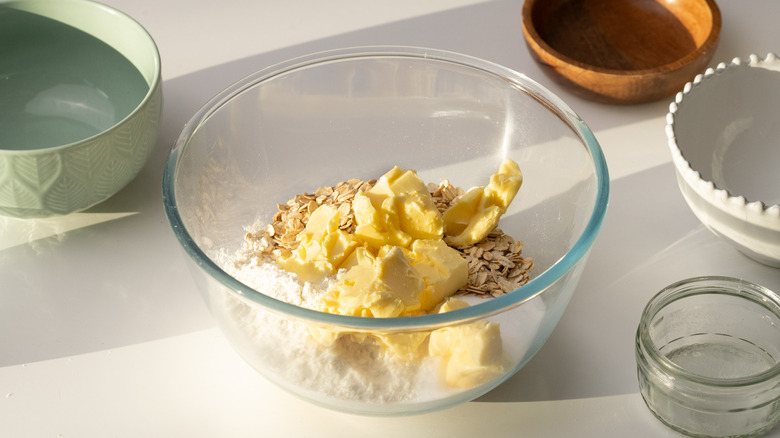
[495, 265]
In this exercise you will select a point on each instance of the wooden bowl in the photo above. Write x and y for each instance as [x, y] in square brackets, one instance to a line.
[622, 51]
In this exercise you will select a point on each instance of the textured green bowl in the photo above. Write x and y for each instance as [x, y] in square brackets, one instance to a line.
[73, 131]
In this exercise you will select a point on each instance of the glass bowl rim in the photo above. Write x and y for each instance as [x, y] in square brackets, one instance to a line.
[490, 307]
[704, 285]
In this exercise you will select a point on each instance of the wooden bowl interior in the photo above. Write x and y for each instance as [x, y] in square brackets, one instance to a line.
[622, 34]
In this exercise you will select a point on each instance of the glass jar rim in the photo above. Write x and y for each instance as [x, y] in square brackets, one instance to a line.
[705, 285]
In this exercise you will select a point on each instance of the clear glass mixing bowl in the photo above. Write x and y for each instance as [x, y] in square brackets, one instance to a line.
[356, 113]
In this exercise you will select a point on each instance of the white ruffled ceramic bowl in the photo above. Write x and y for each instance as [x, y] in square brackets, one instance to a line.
[723, 131]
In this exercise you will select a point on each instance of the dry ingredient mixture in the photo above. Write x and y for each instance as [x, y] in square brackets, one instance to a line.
[375, 368]
[496, 265]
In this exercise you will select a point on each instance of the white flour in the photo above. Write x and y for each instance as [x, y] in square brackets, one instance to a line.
[349, 373]
[347, 370]
[267, 276]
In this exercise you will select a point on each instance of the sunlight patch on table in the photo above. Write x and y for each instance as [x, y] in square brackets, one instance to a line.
[15, 232]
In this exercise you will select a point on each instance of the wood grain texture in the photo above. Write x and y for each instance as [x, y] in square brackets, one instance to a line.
[622, 51]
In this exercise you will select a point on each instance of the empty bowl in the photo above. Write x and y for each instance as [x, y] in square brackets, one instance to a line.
[722, 131]
[708, 357]
[622, 51]
[80, 104]
[330, 117]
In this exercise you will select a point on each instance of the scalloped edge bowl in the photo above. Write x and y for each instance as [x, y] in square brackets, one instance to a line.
[751, 225]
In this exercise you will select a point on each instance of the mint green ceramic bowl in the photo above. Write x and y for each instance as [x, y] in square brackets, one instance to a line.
[80, 104]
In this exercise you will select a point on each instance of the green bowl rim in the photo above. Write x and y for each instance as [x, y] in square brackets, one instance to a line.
[154, 88]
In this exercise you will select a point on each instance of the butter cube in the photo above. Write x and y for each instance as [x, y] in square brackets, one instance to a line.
[322, 249]
[472, 354]
[355, 295]
[397, 182]
[326, 337]
[505, 184]
[477, 212]
[362, 255]
[402, 205]
[442, 268]
[407, 345]
[451, 304]
[419, 216]
[378, 225]
[471, 218]
[396, 273]
[380, 287]
[459, 215]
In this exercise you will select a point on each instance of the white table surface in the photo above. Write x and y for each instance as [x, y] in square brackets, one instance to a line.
[102, 333]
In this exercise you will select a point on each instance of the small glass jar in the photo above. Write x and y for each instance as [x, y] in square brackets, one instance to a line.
[708, 357]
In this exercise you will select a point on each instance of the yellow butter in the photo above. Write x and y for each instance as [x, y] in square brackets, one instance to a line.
[477, 212]
[442, 268]
[381, 287]
[397, 275]
[471, 218]
[451, 304]
[322, 249]
[472, 353]
[324, 336]
[397, 210]
[403, 344]
[505, 184]
[378, 225]
[397, 264]
[419, 216]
